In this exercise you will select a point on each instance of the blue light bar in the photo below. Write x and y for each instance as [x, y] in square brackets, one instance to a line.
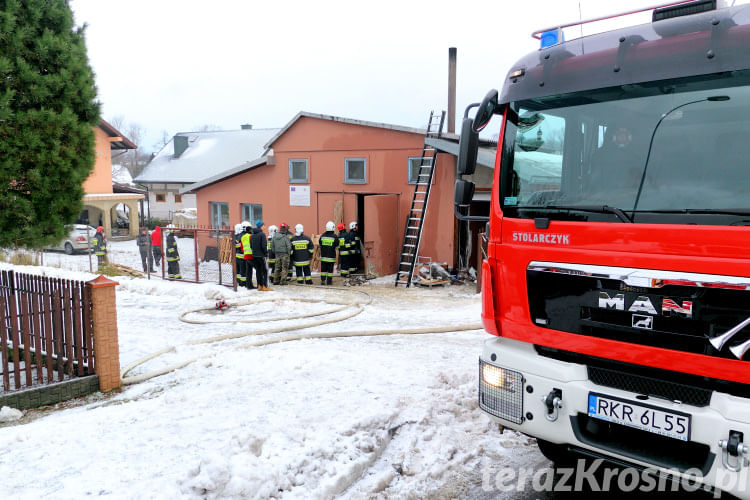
[552, 37]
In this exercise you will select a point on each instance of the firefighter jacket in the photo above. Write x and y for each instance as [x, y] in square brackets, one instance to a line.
[343, 242]
[281, 244]
[247, 250]
[329, 242]
[354, 247]
[100, 244]
[302, 250]
[172, 254]
[238, 246]
[271, 253]
[258, 243]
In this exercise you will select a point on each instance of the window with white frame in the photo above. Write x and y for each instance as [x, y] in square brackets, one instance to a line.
[252, 212]
[298, 171]
[355, 170]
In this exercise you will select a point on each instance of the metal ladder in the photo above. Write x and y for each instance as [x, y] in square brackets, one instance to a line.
[415, 217]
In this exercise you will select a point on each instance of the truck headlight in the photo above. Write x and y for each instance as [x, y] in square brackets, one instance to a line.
[501, 392]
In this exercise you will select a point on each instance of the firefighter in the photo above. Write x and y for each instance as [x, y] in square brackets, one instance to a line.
[355, 250]
[343, 250]
[329, 242]
[291, 257]
[173, 257]
[239, 255]
[247, 254]
[271, 256]
[259, 245]
[100, 247]
[282, 248]
[302, 252]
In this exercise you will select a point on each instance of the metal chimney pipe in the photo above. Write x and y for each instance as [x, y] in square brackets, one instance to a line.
[452, 90]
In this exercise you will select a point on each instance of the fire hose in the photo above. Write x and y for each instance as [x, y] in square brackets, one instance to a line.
[357, 307]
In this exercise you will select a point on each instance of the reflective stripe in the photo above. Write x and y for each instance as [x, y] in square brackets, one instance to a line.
[327, 259]
[300, 264]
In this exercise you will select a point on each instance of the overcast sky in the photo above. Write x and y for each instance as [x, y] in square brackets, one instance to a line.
[175, 65]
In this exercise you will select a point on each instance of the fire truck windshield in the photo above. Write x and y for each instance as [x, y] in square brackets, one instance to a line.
[655, 151]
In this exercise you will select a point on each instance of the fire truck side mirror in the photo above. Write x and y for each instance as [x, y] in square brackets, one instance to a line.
[468, 146]
[463, 192]
[486, 109]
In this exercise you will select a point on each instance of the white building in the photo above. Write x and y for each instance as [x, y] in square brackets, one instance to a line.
[190, 157]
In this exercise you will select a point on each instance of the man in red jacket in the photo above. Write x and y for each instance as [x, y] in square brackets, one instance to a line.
[156, 244]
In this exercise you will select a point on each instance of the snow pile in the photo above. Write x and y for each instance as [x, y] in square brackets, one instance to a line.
[361, 417]
[8, 414]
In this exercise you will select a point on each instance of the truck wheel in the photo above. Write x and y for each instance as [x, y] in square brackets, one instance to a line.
[556, 453]
[68, 248]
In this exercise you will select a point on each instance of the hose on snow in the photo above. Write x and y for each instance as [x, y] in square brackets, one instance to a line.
[357, 308]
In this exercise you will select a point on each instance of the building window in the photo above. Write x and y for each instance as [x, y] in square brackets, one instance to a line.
[298, 172]
[177, 198]
[219, 215]
[414, 163]
[252, 212]
[355, 170]
[160, 197]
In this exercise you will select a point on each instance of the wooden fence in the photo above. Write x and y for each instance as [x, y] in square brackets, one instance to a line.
[46, 332]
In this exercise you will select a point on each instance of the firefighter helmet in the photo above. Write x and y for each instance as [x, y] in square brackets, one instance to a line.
[352, 224]
[299, 229]
[272, 230]
[341, 226]
[99, 229]
[330, 226]
[237, 228]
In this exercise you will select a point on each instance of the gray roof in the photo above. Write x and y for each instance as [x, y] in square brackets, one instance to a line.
[485, 155]
[208, 154]
[350, 121]
[263, 160]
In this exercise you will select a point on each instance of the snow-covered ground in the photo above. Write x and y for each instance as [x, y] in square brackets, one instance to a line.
[358, 417]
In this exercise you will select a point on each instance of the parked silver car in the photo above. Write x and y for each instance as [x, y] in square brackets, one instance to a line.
[77, 240]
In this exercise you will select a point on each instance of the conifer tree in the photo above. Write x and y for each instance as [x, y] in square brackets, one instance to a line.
[48, 109]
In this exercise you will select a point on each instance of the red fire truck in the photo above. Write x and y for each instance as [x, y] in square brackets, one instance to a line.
[617, 272]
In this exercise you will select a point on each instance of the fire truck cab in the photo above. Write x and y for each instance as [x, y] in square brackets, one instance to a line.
[617, 276]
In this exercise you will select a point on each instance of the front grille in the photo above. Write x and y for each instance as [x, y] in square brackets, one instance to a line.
[573, 304]
[639, 384]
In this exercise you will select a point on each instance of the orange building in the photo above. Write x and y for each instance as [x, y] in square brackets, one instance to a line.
[320, 168]
[100, 202]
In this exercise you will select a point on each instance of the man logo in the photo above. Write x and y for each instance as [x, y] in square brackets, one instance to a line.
[643, 322]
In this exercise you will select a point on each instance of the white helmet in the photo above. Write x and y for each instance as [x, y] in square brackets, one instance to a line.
[330, 226]
[245, 225]
[237, 228]
[352, 224]
[272, 230]
[299, 229]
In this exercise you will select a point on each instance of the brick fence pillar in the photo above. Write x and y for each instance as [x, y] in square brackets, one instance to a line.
[104, 318]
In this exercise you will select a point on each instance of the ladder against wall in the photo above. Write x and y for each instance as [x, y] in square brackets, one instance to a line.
[416, 214]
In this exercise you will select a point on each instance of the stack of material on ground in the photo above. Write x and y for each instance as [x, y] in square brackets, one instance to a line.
[226, 250]
[436, 275]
